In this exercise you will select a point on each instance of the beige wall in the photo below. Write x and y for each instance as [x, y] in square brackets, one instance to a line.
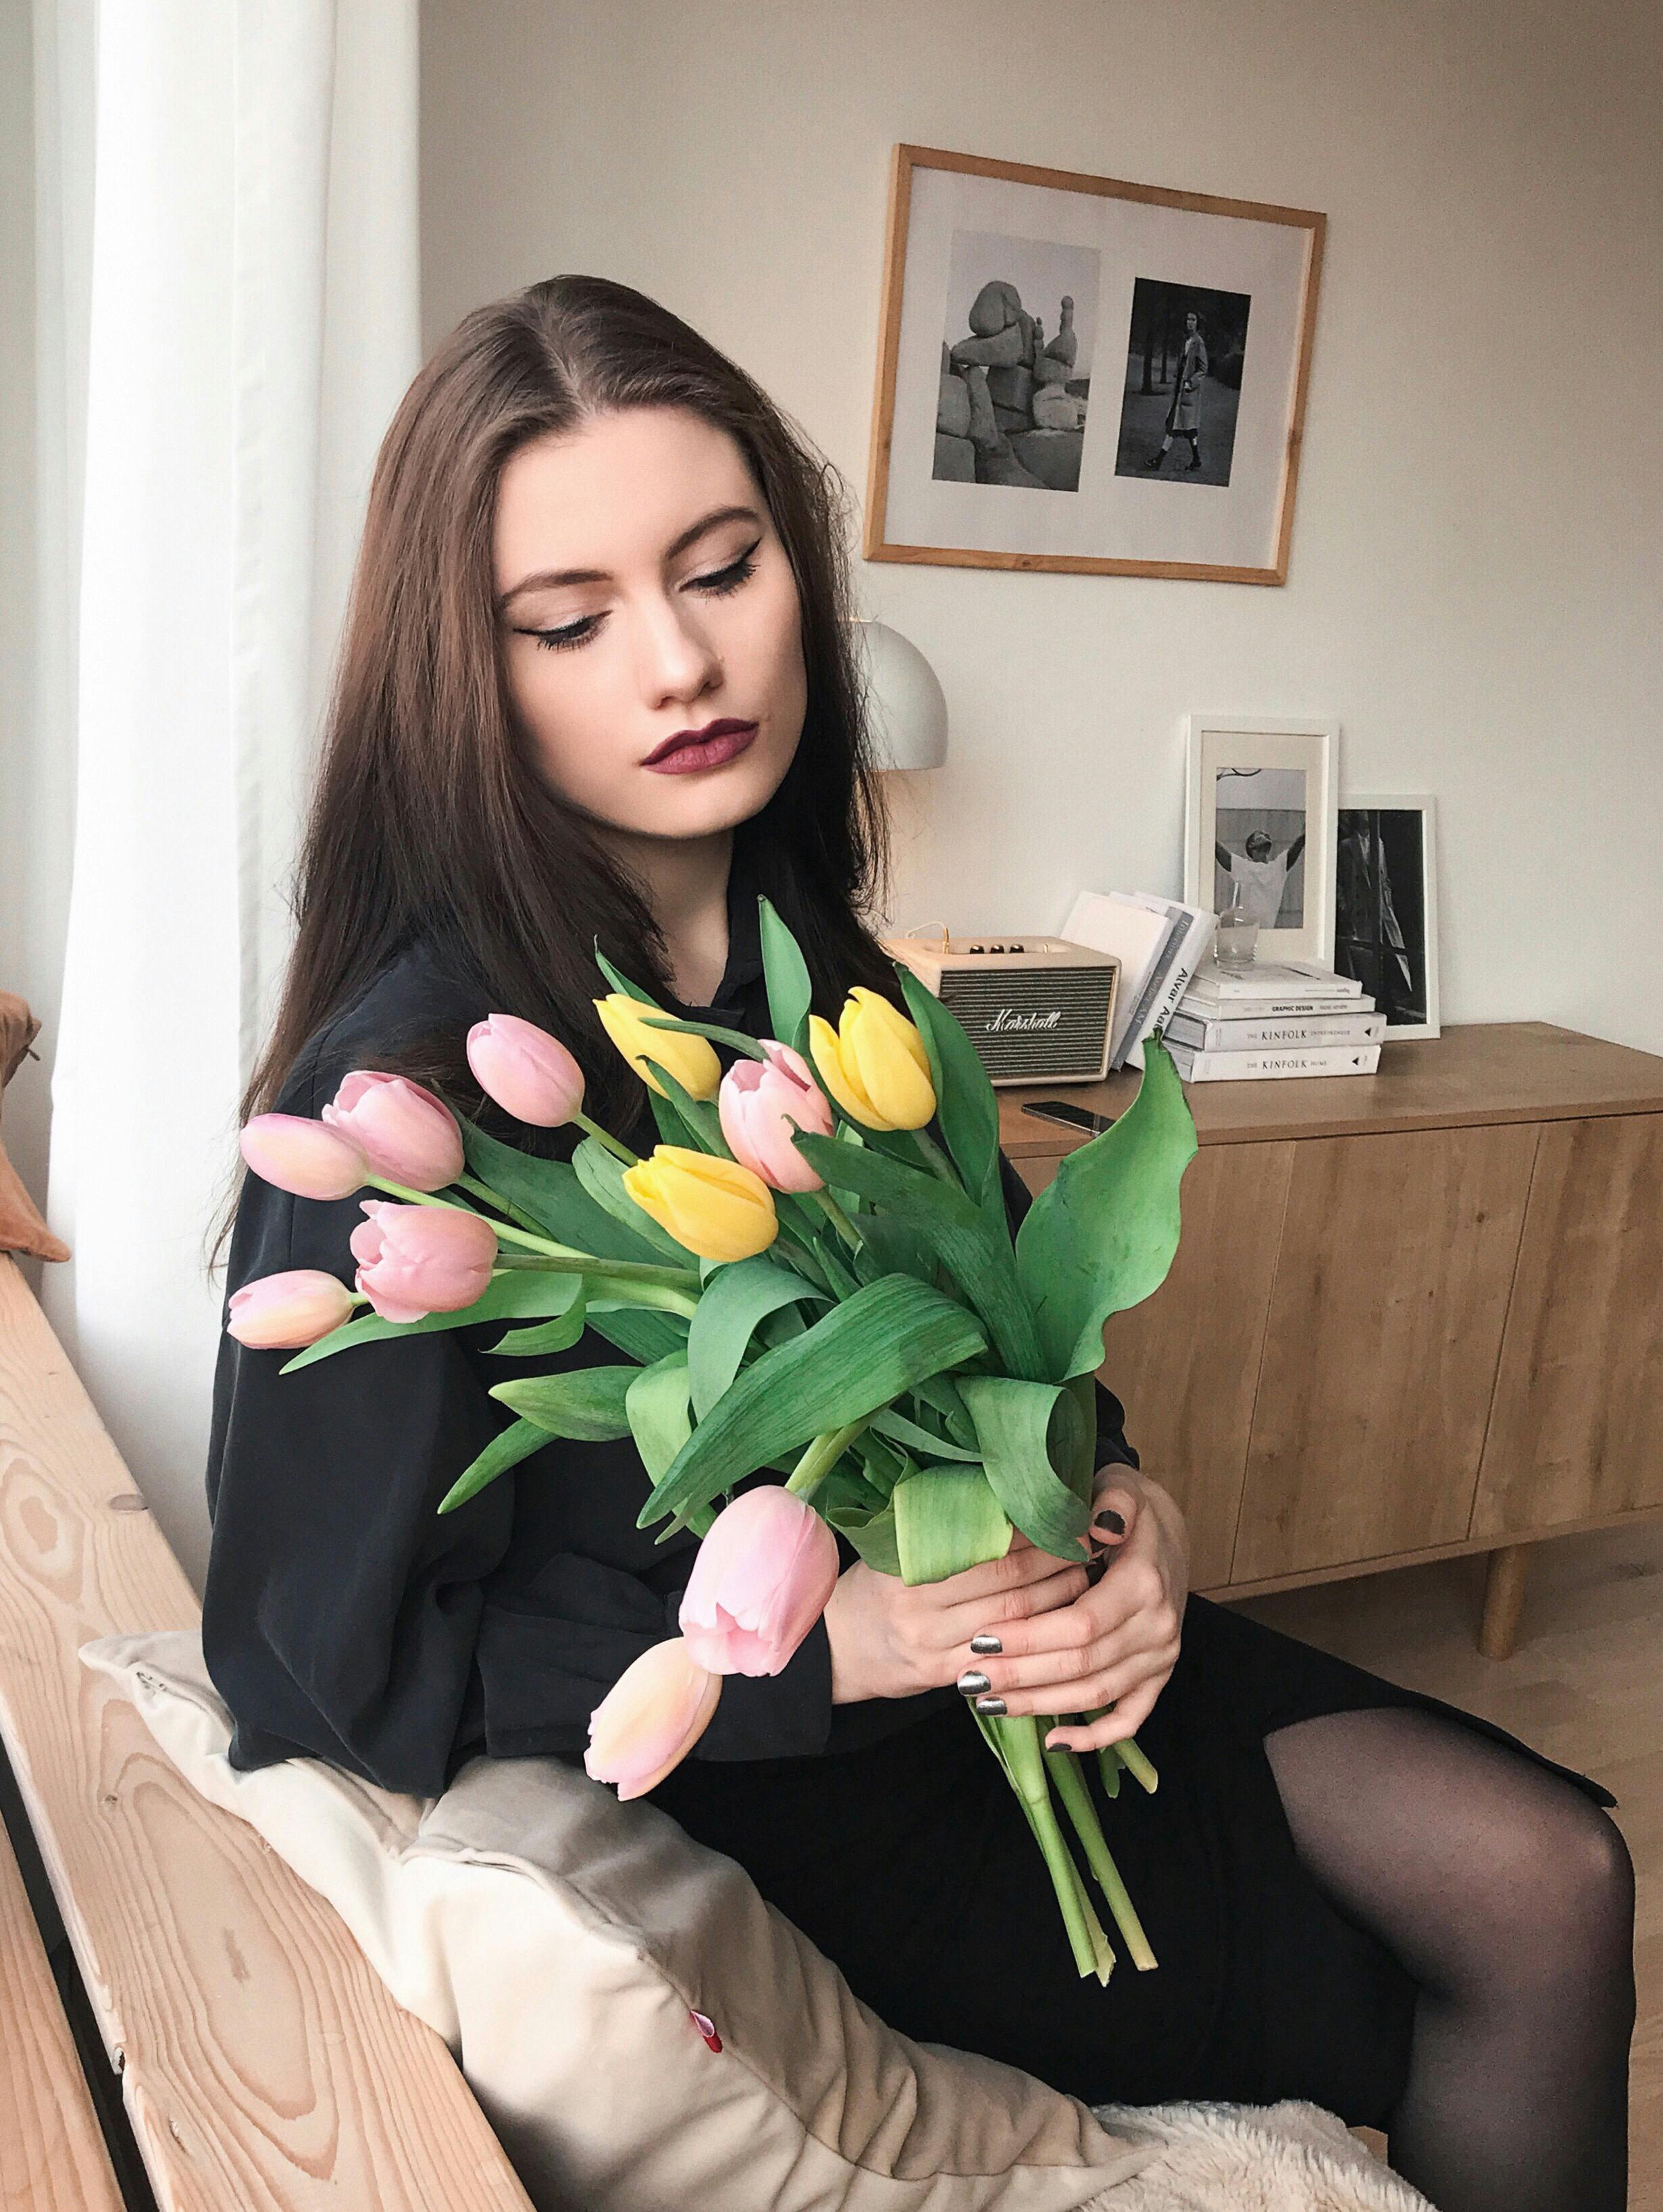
[1474, 588]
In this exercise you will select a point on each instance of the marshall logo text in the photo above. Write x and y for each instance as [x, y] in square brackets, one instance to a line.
[1008, 1018]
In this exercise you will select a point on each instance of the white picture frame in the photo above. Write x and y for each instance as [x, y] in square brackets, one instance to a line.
[1398, 859]
[1288, 765]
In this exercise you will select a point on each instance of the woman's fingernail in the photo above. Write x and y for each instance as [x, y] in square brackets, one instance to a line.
[1109, 1519]
[984, 1646]
[990, 1705]
[970, 1682]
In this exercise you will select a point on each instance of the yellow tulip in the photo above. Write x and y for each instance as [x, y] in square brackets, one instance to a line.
[715, 1207]
[874, 1063]
[691, 1060]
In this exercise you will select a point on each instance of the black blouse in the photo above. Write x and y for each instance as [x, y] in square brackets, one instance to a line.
[342, 1618]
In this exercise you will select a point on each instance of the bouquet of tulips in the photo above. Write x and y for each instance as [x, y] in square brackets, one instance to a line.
[799, 1278]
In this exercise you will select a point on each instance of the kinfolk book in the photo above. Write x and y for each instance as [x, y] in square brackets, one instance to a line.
[1259, 1067]
[1268, 1032]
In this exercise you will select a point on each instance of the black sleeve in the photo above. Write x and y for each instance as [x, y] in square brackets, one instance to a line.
[1112, 1443]
[344, 1618]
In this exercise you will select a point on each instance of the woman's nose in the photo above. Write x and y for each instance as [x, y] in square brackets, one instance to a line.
[678, 659]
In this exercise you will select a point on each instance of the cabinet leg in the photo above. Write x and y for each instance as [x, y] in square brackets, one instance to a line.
[1504, 1597]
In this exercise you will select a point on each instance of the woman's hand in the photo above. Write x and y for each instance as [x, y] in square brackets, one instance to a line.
[1116, 1642]
[889, 1641]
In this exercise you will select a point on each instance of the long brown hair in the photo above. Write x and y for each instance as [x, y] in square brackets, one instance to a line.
[428, 818]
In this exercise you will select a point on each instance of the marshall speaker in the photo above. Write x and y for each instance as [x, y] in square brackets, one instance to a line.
[1037, 1009]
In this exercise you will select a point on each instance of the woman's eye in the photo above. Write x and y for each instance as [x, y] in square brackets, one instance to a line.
[716, 585]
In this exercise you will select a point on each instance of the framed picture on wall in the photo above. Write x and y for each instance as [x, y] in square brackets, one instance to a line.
[1385, 906]
[1259, 827]
[1077, 372]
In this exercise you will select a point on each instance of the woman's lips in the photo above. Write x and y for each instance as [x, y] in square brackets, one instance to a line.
[704, 753]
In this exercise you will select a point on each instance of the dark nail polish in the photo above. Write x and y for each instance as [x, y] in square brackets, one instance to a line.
[1109, 1519]
[992, 1706]
[984, 1646]
[970, 1682]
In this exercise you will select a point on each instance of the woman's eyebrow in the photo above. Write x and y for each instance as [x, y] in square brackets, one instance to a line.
[547, 579]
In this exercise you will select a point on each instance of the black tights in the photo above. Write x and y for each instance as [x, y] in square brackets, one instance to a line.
[1508, 1896]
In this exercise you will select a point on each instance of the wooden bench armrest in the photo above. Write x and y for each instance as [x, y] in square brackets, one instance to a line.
[263, 2063]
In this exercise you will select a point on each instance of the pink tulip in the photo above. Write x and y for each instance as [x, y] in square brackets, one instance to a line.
[417, 1260]
[651, 1717]
[295, 1153]
[762, 1104]
[407, 1135]
[280, 1313]
[761, 1579]
[529, 1074]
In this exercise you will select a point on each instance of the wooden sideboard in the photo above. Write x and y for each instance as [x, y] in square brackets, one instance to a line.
[1412, 1314]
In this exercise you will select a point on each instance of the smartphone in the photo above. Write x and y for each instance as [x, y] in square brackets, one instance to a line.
[1070, 1116]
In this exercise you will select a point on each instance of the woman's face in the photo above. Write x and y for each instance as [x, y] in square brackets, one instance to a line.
[685, 613]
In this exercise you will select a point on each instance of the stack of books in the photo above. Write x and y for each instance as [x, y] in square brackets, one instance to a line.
[1295, 1017]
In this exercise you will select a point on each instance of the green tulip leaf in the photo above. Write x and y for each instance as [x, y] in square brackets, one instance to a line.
[644, 1335]
[965, 1105]
[791, 993]
[975, 1251]
[856, 1358]
[682, 1118]
[621, 982]
[946, 1519]
[557, 1335]
[1102, 1235]
[586, 1404]
[736, 1300]
[517, 1294]
[550, 1191]
[897, 1427]
[736, 1039]
[1015, 1422]
[601, 1174]
[871, 1531]
[657, 1407]
[515, 1442]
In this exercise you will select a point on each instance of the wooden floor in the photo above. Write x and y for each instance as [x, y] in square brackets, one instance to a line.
[1586, 1686]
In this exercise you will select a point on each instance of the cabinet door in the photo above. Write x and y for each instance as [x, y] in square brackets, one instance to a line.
[1185, 1362]
[1380, 1359]
[1577, 1429]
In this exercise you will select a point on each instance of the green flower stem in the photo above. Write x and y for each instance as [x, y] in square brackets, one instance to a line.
[1077, 1801]
[1141, 1769]
[505, 1205]
[1025, 1765]
[935, 1159]
[847, 1230]
[1108, 1766]
[822, 1455]
[1136, 1765]
[618, 1149]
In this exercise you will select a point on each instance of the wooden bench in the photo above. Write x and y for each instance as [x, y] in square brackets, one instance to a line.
[262, 2062]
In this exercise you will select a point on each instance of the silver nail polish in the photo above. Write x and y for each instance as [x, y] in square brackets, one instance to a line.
[992, 1706]
[984, 1646]
[971, 1682]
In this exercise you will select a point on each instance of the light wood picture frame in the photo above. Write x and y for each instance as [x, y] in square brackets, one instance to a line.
[1259, 815]
[1076, 372]
[1385, 905]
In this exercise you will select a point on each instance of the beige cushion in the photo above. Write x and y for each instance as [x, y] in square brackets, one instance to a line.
[559, 1942]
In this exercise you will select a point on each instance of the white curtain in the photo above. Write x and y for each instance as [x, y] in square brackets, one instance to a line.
[249, 321]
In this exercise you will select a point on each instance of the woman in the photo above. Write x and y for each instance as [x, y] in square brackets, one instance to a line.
[595, 686]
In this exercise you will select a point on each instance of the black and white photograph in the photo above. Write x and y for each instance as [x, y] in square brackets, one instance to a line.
[1385, 913]
[1259, 827]
[1010, 292]
[1016, 363]
[1258, 845]
[1185, 357]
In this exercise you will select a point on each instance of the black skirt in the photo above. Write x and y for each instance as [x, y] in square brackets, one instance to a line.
[908, 1863]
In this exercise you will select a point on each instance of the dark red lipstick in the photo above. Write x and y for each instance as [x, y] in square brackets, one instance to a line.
[709, 747]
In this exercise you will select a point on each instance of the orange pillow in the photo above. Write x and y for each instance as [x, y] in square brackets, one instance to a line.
[21, 1228]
